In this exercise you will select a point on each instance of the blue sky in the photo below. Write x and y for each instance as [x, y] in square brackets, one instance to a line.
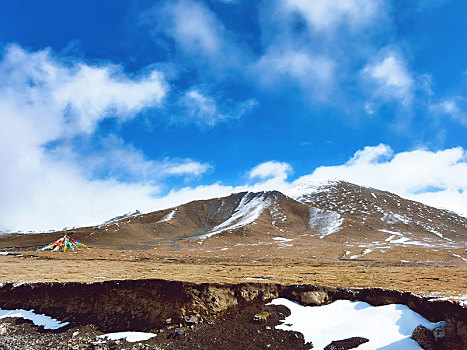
[111, 106]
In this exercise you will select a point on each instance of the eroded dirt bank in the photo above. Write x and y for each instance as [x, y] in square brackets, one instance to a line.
[148, 304]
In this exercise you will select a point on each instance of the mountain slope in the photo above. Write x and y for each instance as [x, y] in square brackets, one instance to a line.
[331, 219]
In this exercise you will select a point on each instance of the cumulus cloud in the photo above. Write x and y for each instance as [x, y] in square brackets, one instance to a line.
[371, 155]
[46, 99]
[277, 170]
[204, 109]
[392, 78]
[59, 98]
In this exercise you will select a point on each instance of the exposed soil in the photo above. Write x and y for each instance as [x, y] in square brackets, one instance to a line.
[234, 329]
[192, 316]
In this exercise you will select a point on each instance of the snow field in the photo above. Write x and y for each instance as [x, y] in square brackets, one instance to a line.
[130, 337]
[387, 327]
[38, 319]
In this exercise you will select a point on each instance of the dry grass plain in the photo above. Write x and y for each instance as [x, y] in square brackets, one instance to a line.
[427, 273]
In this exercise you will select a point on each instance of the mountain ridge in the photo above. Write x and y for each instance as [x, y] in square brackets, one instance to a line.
[344, 220]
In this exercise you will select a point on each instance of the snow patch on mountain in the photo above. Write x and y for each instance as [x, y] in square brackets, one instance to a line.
[324, 222]
[248, 210]
[168, 217]
[365, 252]
[121, 217]
[392, 218]
[303, 192]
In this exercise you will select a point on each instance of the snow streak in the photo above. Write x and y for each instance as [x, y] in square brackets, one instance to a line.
[248, 210]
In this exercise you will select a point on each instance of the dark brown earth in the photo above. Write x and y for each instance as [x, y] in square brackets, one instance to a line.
[191, 316]
[233, 330]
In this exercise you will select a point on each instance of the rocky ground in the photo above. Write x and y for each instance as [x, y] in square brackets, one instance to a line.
[233, 330]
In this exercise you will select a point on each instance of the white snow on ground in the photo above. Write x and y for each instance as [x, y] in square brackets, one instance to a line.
[247, 211]
[365, 252]
[4, 253]
[121, 217]
[168, 217]
[37, 319]
[392, 218]
[325, 222]
[400, 238]
[130, 337]
[460, 257]
[431, 229]
[282, 239]
[460, 299]
[388, 326]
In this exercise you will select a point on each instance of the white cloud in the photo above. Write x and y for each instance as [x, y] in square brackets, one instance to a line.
[451, 107]
[230, 2]
[44, 99]
[323, 15]
[371, 155]
[368, 108]
[123, 162]
[277, 170]
[204, 109]
[184, 167]
[58, 98]
[194, 27]
[392, 78]
[311, 72]
[297, 64]
[196, 31]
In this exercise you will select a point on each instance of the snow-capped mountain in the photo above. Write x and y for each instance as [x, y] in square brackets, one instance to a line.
[331, 213]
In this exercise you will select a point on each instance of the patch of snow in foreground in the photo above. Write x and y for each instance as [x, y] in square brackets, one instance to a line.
[388, 326]
[130, 337]
[4, 253]
[38, 319]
